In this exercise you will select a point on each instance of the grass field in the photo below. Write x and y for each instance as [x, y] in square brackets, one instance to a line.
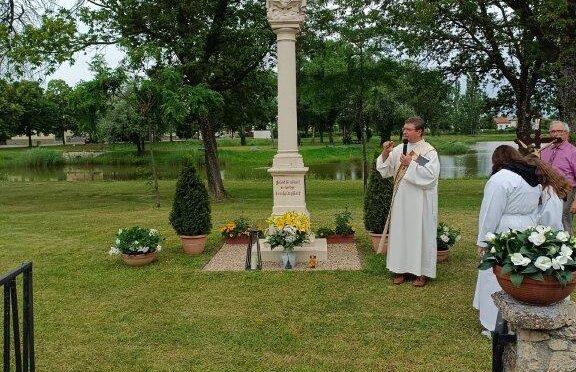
[92, 313]
[255, 153]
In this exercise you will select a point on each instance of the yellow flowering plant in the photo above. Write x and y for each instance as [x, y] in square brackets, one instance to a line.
[289, 230]
[235, 228]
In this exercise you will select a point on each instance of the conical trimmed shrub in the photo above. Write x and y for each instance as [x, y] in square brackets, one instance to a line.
[190, 213]
[377, 200]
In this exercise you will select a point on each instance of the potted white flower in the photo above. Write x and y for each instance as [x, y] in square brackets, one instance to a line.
[446, 237]
[138, 246]
[289, 230]
[534, 265]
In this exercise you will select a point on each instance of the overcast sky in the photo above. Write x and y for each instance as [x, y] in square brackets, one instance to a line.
[72, 74]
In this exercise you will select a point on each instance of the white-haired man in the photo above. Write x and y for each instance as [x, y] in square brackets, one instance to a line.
[562, 156]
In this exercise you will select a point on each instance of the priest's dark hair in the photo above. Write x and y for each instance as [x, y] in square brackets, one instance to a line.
[418, 122]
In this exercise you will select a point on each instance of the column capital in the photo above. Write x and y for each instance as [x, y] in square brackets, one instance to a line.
[283, 14]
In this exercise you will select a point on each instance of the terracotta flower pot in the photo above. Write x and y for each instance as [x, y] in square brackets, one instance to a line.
[240, 239]
[139, 259]
[193, 245]
[535, 292]
[340, 239]
[442, 255]
[376, 240]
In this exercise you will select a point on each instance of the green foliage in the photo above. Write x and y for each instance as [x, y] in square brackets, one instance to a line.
[136, 240]
[190, 213]
[235, 228]
[324, 232]
[377, 201]
[533, 252]
[40, 157]
[342, 221]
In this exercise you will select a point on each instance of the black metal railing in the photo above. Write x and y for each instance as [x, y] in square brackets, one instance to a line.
[23, 342]
[500, 338]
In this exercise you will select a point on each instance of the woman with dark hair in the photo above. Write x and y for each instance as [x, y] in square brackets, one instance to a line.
[513, 199]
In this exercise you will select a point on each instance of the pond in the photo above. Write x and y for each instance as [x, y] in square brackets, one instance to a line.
[474, 164]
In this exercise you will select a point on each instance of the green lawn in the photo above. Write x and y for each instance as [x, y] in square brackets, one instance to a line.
[93, 313]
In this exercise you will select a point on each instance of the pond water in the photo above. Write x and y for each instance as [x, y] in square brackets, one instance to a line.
[474, 164]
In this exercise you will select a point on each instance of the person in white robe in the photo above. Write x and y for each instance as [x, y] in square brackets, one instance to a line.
[513, 199]
[413, 214]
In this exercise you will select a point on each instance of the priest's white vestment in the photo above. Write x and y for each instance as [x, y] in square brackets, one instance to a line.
[509, 203]
[414, 210]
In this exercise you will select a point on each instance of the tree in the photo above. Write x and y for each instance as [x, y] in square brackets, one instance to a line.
[35, 113]
[499, 41]
[89, 100]
[213, 43]
[58, 93]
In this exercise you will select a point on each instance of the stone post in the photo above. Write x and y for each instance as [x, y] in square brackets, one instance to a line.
[288, 170]
[546, 335]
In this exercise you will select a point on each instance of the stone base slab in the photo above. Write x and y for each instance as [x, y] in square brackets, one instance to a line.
[318, 248]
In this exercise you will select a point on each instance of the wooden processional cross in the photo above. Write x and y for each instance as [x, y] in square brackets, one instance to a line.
[528, 144]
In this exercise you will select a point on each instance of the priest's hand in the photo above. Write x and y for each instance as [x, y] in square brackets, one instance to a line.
[387, 148]
[480, 252]
[405, 160]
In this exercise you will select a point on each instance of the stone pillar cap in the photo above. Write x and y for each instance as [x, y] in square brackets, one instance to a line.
[535, 317]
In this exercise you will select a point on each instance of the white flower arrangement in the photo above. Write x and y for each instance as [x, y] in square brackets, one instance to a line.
[136, 240]
[534, 252]
[289, 230]
[446, 237]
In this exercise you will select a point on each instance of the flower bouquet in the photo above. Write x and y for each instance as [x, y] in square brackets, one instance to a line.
[137, 245]
[535, 256]
[288, 231]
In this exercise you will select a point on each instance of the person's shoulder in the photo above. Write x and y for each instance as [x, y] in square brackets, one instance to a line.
[505, 176]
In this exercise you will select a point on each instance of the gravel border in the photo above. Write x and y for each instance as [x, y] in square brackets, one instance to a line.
[231, 257]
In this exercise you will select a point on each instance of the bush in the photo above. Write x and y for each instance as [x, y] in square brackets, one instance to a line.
[324, 232]
[342, 221]
[190, 213]
[377, 201]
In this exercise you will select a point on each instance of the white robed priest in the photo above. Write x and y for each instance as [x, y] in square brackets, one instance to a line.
[413, 217]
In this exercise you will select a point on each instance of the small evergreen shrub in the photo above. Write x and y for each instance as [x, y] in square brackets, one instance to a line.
[190, 213]
[377, 201]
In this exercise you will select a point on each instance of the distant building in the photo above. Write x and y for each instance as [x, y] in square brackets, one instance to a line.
[503, 123]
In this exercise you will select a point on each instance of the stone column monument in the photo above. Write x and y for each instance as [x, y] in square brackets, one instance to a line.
[288, 170]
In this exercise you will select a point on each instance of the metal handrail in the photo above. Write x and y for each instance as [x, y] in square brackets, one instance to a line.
[23, 348]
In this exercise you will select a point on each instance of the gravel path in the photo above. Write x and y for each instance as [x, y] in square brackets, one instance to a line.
[232, 257]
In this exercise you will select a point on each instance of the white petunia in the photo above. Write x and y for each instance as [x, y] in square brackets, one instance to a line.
[562, 236]
[117, 241]
[543, 229]
[493, 250]
[113, 251]
[158, 247]
[565, 251]
[543, 263]
[559, 262]
[537, 238]
[119, 231]
[444, 238]
[519, 260]
[490, 237]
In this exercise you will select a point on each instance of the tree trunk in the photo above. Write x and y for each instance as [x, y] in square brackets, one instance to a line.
[29, 134]
[567, 87]
[523, 128]
[155, 177]
[64, 136]
[242, 135]
[215, 185]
